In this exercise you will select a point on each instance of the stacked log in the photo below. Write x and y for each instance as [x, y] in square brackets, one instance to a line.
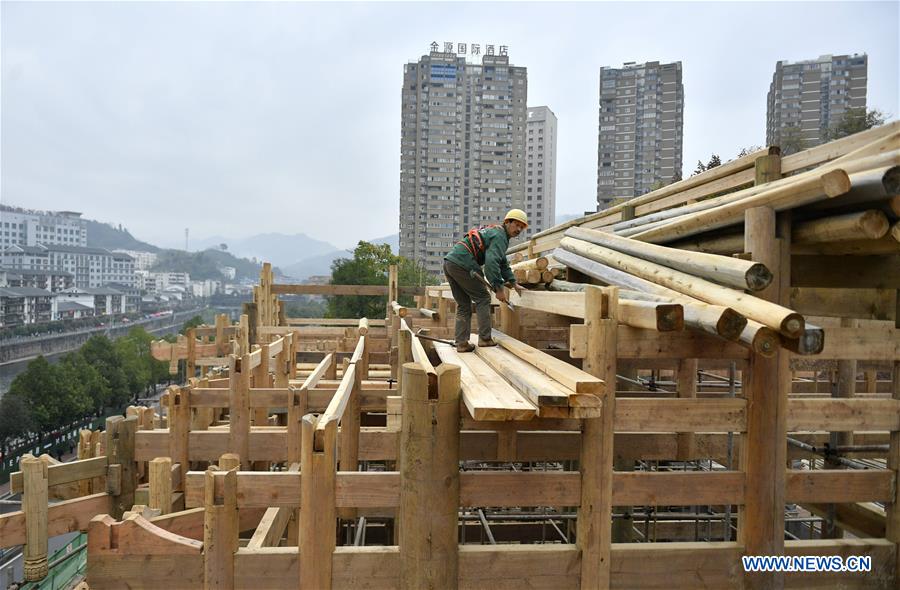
[844, 197]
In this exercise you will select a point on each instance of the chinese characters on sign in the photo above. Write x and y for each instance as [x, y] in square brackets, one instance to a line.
[470, 48]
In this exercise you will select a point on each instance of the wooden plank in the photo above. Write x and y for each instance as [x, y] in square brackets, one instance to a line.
[62, 473]
[881, 575]
[680, 415]
[865, 343]
[567, 375]
[677, 488]
[63, 517]
[317, 537]
[636, 343]
[486, 395]
[862, 272]
[533, 384]
[843, 414]
[338, 404]
[283, 289]
[839, 486]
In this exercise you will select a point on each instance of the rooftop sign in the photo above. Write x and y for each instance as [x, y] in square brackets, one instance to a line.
[469, 48]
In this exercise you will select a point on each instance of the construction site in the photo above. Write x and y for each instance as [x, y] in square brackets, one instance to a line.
[706, 372]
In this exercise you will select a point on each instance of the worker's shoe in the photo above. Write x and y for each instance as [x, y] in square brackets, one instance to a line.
[485, 343]
[465, 347]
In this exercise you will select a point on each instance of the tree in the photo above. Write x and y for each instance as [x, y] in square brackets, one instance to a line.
[15, 419]
[854, 121]
[223, 247]
[369, 266]
[93, 384]
[100, 352]
[701, 167]
[135, 367]
[714, 160]
[38, 386]
[191, 323]
[677, 176]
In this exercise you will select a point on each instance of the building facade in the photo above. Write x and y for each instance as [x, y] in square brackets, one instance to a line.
[26, 305]
[91, 267]
[640, 136]
[142, 260]
[808, 98]
[540, 169]
[462, 150]
[28, 227]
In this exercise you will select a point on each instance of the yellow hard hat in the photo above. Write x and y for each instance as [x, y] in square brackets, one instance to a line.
[518, 215]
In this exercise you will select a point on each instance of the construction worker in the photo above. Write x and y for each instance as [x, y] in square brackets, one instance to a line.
[481, 246]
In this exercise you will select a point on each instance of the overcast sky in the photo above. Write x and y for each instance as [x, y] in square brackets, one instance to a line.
[243, 118]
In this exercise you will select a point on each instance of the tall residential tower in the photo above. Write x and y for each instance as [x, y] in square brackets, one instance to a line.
[540, 171]
[640, 135]
[462, 150]
[807, 98]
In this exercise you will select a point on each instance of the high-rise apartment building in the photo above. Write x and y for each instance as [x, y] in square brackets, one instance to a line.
[462, 150]
[540, 169]
[807, 98]
[27, 227]
[640, 135]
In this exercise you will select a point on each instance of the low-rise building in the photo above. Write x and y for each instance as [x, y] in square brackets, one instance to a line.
[51, 280]
[91, 267]
[26, 305]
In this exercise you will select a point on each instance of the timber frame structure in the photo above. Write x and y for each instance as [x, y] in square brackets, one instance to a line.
[644, 423]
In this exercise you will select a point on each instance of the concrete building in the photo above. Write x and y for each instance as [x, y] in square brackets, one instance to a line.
[142, 260]
[462, 150]
[540, 169]
[807, 98]
[26, 305]
[29, 227]
[640, 132]
[50, 280]
[91, 267]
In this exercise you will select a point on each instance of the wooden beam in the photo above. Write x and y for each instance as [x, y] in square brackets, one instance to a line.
[486, 395]
[741, 274]
[569, 376]
[341, 290]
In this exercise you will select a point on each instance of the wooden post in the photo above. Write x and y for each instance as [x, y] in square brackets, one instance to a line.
[892, 509]
[239, 412]
[843, 387]
[317, 511]
[229, 461]
[190, 366]
[34, 505]
[350, 422]
[687, 388]
[84, 452]
[596, 459]
[261, 379]
[429, 479]
[393, 294]
[404, 355]
[180, 429]
[250, 310]
[220, 532]
[763, 451]
[161, 484]
[120, 450]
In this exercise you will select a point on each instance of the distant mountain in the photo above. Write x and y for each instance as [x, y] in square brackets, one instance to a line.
[106, 235]
[393, 240]
[279, 249]
[315, 265]
[207, 264]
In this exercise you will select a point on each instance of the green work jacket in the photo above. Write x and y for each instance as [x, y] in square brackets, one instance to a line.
[492, 256]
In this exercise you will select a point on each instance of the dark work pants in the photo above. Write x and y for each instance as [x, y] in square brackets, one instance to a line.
[466, 289]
